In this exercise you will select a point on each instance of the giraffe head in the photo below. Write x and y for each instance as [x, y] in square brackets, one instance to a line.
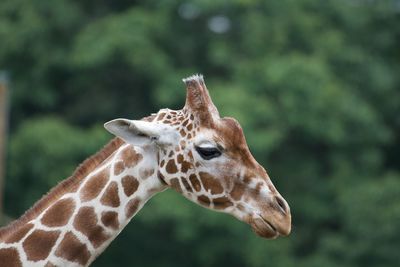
[206, 159]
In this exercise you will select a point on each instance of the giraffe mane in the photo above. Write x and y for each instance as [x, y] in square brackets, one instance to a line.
[81, 172]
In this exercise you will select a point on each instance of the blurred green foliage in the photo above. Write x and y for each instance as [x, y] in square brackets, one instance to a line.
[314, 83]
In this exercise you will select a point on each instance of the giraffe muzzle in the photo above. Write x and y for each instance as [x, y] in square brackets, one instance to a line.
[264, 228]
[270, 229]
[273, 220]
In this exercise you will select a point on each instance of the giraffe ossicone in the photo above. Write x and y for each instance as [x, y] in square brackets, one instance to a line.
[194, 151]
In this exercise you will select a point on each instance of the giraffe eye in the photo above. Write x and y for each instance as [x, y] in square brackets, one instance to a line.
[208, 152]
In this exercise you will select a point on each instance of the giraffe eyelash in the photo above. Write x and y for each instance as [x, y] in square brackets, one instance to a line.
[208, 153]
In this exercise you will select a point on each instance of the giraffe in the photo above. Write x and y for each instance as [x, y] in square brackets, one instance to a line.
[193, 151]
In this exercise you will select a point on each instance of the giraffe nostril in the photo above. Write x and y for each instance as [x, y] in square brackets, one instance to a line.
[282, 204]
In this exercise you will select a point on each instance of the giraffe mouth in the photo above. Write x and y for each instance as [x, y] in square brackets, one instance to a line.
[264, 228]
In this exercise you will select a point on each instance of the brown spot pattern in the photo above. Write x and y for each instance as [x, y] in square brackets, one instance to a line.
[119, 167]
[237, 191]
[74, 187]
[176, 185]
[38, 244]
[182, 132]
[185, 166]
[161, 177]
[73, 250]
[247, 178]
[110, 197]
[50, 264]
[186, 184]
[171, 166]
[222, 202]
[161, 116]
[146, 173]
[204, 200]
[210, 183]
[130, 185]
[19, 234]
[130, 157]
[59, 214]
[110, 219]
[195, 182]
[179, 158]
[86, 223]
[132, 207]
[94, 186]
[9, 257]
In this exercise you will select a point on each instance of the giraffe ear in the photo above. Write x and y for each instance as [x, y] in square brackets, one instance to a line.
[140, 133]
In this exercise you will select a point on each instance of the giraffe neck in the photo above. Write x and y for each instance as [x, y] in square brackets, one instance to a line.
[82, 221]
